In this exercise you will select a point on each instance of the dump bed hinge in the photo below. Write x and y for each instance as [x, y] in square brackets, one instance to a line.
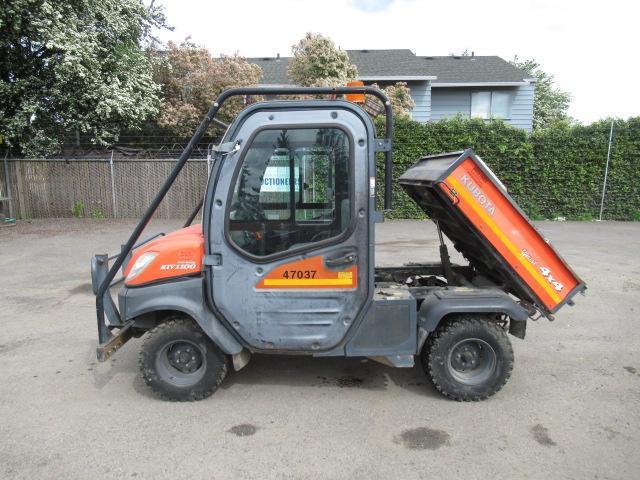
[382, 145]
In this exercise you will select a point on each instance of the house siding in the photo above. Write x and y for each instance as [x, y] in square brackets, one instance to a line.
[449, 102]
[522, 107]
[421, 94]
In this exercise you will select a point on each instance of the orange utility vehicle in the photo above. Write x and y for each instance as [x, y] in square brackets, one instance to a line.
[284, 260]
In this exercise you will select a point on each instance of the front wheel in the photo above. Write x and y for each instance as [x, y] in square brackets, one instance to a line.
[468, 358]
[180, 363]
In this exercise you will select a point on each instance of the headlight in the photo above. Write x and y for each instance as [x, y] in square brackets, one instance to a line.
[142, 262]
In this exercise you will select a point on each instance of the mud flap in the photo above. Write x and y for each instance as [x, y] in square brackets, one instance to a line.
[518, 328]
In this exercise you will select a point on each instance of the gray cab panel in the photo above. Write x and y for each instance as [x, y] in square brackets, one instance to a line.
[305, 319]
[389, 328]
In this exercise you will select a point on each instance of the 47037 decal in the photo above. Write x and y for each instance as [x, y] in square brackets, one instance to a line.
[299, 274]
[309, 273]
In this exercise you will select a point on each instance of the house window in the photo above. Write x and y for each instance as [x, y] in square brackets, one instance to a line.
[490, 104]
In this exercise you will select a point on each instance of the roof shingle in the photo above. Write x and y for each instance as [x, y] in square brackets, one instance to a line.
[403, 62]
[472, 69]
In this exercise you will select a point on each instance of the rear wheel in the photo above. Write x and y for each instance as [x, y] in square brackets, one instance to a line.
[180, 363]
[468, 358]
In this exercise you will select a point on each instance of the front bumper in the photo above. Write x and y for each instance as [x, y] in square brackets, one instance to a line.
[113, 333]
[115, 341]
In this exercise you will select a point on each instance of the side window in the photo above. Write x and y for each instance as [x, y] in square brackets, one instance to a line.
[481, 104]
[500, 104]
[292, 190]
[487, 105]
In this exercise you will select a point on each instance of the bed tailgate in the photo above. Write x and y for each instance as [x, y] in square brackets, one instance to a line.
[475, 211]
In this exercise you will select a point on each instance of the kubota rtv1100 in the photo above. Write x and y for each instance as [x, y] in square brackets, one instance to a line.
[284, 261]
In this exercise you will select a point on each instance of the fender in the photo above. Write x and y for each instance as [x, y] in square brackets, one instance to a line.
[466, 300]
[185, 295]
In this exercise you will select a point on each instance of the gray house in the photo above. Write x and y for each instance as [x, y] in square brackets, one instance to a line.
[471, 86]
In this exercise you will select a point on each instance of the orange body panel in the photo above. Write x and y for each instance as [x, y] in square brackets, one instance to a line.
[179, 253]
[517, 241]
[309, 274]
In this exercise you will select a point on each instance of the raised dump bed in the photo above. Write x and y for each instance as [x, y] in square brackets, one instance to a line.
[473, 209]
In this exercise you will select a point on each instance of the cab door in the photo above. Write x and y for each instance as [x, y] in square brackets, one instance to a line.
[289, 228]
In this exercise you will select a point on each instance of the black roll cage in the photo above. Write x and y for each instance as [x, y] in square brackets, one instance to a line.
[384, 146]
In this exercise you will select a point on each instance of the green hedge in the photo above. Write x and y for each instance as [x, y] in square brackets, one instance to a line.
[555, 172]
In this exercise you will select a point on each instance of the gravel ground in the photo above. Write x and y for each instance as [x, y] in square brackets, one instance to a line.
[570, 409]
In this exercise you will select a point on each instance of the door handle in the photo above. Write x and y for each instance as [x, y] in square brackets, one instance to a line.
[341, 261]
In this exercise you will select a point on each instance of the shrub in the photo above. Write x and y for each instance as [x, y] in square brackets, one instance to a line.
[557, 171]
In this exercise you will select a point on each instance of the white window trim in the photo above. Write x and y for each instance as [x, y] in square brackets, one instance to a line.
[394, 78]
[479, 84]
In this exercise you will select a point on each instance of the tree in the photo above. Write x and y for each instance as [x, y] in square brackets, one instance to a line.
[550, 103]
[191, 79]
[317, 62]
[74, 66]
[401, 101]
[400, 97]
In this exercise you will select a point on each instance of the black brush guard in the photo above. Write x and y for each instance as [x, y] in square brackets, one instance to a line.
[103, 276]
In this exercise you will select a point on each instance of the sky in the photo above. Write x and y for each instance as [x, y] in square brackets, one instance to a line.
[591, 47]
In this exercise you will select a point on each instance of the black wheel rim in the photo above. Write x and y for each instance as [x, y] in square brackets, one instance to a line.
[472, 361]
[181, 363]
